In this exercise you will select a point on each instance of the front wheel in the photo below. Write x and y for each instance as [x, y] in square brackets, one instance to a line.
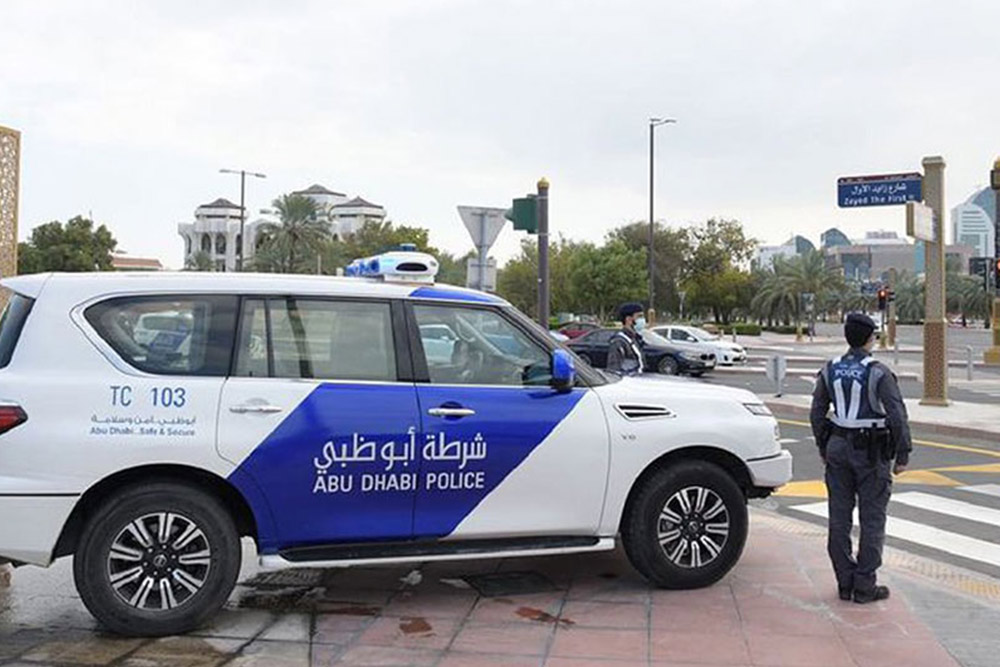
[668, 366]
[585, 358]
[157, 560]
[686, 525]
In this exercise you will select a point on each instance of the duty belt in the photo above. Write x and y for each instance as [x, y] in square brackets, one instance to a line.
[856, 424]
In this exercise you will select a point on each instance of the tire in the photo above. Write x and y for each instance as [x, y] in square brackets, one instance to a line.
[585, 358]
[668, 366]
[646, 523]
[131, 522]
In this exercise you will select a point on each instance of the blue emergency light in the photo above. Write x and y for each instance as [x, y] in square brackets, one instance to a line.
[396, 266]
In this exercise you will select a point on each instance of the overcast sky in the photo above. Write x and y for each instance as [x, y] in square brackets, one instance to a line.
[129, 109]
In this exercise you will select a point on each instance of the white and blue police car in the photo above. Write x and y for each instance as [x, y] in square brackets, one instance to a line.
[150, 421]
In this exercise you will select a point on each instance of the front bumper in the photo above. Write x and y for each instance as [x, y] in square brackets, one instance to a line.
[772, 471]
[30, 526]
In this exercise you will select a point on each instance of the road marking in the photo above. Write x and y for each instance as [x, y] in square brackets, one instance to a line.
[788, 441]
[984, 468]
[925, 477]
[986, 489]
[813, 488]
[928, 536]
[925, 443]
[942, 505]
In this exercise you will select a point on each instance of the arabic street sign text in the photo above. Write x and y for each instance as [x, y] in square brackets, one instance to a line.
[879, 190]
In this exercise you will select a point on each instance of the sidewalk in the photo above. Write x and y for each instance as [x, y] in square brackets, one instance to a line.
[777, 608]
[960, 419]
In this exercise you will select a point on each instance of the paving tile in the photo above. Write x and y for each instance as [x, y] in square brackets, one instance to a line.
[459, 659]
[911, 653]
[289, 628]
[858, 622]
[85, 650]
[455, 605]
[517, 639]
[380, 656]
[329, 628]
[713, 595]
[600, 643]
[15, 641]
[800, 651]
[415, 632]
[184, 652]
[613, 590]
[605, 614]
[272, 654]
[719, 618]
[768, 620]
[697, 647]
[238, 623]
[522, 608]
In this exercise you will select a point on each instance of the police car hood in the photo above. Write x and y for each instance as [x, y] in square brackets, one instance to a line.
[649, 387]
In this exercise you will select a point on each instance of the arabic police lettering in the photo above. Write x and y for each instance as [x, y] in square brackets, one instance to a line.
[390, 454]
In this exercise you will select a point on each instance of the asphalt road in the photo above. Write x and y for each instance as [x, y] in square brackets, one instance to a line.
[946, 506]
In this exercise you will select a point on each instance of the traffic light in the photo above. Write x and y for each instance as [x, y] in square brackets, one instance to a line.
[524, 214]
[883, 295]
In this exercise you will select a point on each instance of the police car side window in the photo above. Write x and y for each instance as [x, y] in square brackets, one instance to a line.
[316, 338]
[487, 348]
[169, 335]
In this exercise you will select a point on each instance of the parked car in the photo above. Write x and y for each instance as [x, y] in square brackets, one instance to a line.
[694, 339]
[660, 355]
[577, 329]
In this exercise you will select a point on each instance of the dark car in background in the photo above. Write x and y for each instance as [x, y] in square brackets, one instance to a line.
[660, 355]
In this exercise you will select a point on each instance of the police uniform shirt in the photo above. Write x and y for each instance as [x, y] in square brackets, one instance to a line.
[864, 392]
[625, 353]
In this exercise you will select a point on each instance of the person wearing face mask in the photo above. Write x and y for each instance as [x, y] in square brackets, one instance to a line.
[625, 350]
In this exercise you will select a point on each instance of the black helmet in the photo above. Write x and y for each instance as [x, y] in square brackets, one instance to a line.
[627, 309]
[858, 328]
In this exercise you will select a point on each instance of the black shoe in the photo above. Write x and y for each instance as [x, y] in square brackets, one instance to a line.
[846, 594]
[874, 595]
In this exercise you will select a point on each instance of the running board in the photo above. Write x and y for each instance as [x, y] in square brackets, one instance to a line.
[421, 552]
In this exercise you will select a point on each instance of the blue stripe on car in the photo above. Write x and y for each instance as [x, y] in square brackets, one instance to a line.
[453, 295]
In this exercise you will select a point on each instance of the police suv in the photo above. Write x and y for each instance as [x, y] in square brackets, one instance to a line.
[149, 421]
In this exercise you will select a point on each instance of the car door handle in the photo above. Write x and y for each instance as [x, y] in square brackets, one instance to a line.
[451, 412]
[259, 408]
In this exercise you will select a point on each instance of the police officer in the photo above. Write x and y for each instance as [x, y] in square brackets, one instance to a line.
[625, 349]
[862, 443]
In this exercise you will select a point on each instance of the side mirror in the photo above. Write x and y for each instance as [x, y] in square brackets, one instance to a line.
[563, 371]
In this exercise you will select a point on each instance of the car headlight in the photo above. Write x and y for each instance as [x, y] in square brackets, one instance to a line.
[691, 356]
[758, 409]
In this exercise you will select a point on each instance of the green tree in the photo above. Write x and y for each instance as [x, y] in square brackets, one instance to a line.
[292, 245]
[199, 261]
[75, 246]
[714, 273]
[602, 278]
[671, 249]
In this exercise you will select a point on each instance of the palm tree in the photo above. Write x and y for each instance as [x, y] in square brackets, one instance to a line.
[909, 298]
[809, 274]
[773, 300]
[292, 245]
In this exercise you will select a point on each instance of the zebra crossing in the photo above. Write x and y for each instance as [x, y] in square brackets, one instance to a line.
[962, 522]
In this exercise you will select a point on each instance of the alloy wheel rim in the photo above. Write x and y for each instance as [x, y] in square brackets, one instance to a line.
[159, 561]
[693, 527]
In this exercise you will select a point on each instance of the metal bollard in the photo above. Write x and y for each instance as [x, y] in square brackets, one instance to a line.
[895, 352]
[968, 363]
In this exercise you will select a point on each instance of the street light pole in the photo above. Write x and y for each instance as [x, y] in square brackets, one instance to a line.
[243, 209]
[992, 356]
[653, 124]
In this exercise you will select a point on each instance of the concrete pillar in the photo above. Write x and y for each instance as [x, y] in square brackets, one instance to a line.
[935, 316]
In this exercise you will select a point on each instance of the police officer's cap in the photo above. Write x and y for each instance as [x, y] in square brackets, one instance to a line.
[627, 309]
[858, 329]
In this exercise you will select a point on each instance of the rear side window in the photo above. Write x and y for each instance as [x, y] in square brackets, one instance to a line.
[316, 338]
[169, 335]
[11, 322]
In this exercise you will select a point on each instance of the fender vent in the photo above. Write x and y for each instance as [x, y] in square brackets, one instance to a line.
[643, 411]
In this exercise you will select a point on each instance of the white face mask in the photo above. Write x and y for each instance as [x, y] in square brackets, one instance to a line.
[640, 323]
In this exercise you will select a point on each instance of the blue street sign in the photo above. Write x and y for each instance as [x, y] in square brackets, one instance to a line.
[879, 190]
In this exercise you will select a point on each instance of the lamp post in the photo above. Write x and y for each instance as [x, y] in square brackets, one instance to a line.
[653, 124]
[243, 209]
[992, 355]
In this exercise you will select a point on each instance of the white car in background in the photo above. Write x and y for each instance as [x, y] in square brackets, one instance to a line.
[698, 340]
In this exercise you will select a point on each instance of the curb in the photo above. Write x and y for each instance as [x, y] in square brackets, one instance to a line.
[933, 427]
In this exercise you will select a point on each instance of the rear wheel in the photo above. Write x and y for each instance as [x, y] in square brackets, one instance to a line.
[668, 366]
[585, 358]
[686, 525]
[157, 560]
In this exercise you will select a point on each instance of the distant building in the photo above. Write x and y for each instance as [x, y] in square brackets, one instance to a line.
[216, 227]
[121, 261]
[833, 238]
[973, 224]
[766, 254]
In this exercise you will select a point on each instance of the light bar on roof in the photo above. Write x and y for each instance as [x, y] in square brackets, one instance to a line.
[396, 266]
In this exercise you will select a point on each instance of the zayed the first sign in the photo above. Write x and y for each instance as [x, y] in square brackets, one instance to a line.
[879, 190]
